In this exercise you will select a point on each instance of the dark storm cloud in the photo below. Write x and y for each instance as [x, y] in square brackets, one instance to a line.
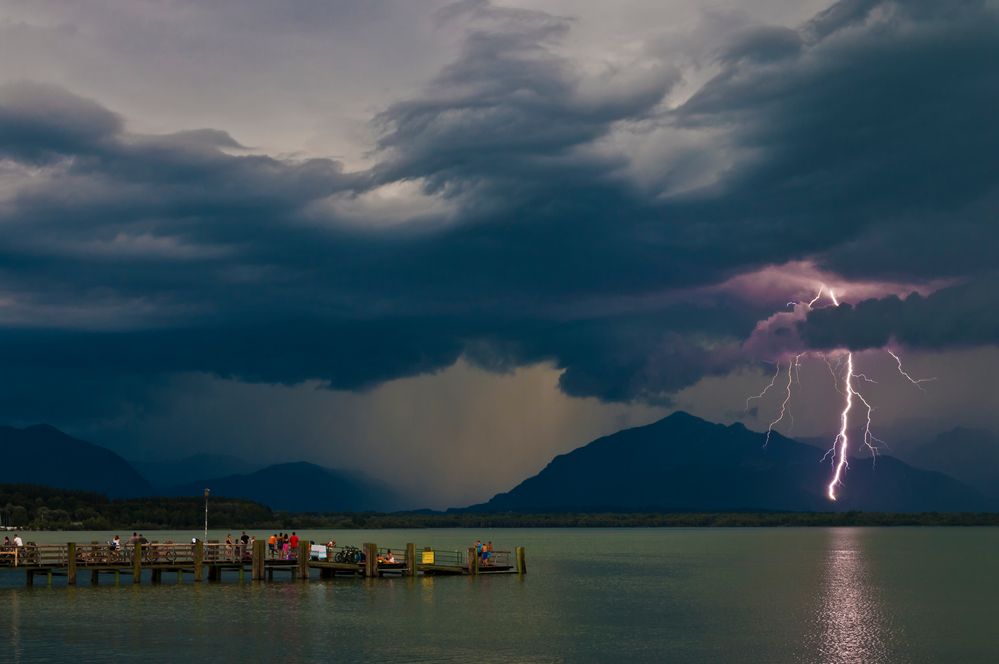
[874, 150]
[40, 123]
[865, 141]
[964, 315]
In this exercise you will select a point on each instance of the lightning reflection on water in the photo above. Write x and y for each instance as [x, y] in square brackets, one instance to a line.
[851, 623]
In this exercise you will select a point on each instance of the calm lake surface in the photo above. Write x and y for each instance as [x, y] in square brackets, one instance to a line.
[591, 595]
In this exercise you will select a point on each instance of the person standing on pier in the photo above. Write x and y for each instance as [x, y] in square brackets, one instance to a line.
[272, 545]
[18, 542]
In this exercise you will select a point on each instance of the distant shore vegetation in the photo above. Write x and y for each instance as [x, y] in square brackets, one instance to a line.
[32, 507]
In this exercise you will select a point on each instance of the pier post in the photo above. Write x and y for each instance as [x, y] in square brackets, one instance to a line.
[71, 563]
[521, 562]
[157, 575]
[258, 556]
[303, 559]
[199, 559]
[137, 563]
[370, 560]
[29, 576]
[410, 559]
[95, 575]
[473, 561]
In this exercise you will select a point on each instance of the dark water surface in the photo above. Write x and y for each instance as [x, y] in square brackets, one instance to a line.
[834, 595]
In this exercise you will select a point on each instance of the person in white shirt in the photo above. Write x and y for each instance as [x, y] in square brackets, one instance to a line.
[17, 540]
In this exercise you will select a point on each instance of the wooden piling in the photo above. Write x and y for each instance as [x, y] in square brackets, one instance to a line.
[71, 563]
[199, 560]
[521, 562]
[157, 575]
[95, 576]
[370, 560]
[137, 563]
[258, 557]
[303, 559]
[473, 561]
[410, 559]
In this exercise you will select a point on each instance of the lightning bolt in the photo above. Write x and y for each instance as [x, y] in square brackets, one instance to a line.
[845, 380]
[787, 400]
[842, 438]
[918, 382]
[765, 389]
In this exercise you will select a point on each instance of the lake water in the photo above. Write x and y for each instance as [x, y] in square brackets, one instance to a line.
[591, 595]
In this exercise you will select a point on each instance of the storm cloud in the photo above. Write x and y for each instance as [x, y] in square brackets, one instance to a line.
[863, 142]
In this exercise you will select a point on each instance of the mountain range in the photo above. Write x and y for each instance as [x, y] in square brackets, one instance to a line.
[302, 487]
[680, 463]
[683, 463]
[163, 473]
[968, 455]
[41, 454]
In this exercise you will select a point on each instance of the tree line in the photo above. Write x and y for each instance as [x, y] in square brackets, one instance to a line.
[43, 508]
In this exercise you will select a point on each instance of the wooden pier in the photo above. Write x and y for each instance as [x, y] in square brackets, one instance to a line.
[256, 563]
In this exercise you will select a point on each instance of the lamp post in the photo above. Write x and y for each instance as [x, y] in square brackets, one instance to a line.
[206, 516]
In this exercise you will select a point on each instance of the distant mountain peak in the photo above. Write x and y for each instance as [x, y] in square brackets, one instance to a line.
[303, 486]
[685, 463]
[42, 454]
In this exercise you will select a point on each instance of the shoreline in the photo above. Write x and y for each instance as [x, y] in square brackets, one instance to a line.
[371, 521]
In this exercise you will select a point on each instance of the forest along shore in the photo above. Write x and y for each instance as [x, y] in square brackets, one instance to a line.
[26, 507]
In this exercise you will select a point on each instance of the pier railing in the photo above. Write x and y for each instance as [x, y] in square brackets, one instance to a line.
[398, 555]
[442, 557]
[367, 559]
[216, 552]
[42, 554]
[165, 553]
[345, 553]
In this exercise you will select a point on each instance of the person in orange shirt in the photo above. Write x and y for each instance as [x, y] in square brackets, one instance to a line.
[272, 544]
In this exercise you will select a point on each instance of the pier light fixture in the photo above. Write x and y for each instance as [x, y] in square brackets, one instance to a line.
[206, 515]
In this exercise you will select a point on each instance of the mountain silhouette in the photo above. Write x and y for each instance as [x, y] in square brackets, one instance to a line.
[41, 454]
[301, 487]
[968, 455]
[683, 463]
[173, 472]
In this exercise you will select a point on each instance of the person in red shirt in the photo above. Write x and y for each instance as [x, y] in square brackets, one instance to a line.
[293, 542]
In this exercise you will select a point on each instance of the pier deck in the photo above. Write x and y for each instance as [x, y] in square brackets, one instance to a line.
[212, 559]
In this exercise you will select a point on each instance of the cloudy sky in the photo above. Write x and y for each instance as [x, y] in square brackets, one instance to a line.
[441, 242]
